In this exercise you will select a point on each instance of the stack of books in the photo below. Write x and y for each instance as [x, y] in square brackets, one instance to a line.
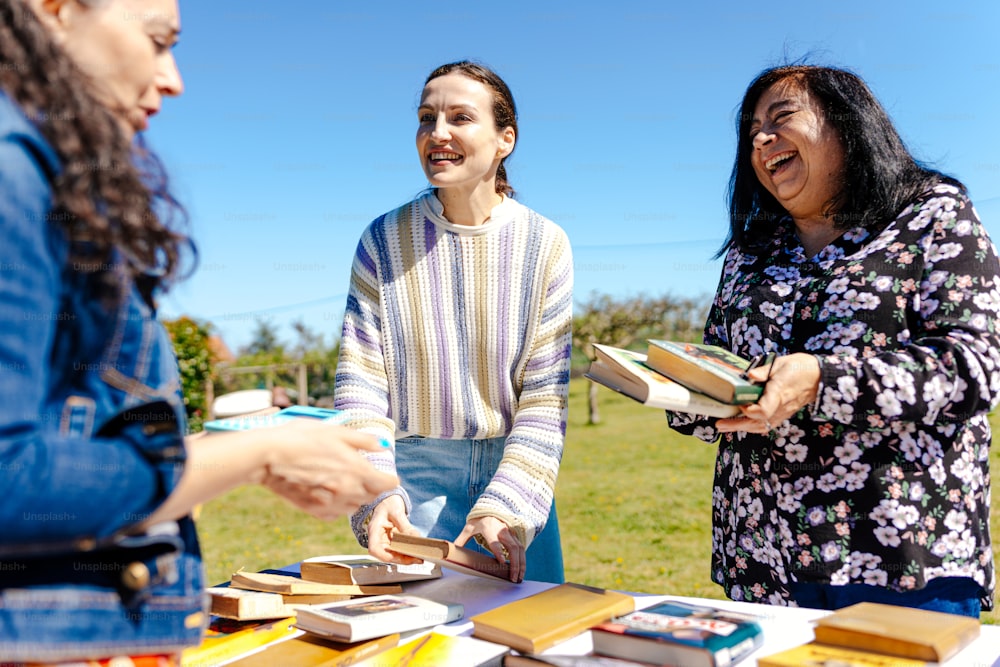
[682, 377]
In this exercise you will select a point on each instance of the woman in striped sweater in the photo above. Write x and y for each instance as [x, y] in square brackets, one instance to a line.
[456, 341]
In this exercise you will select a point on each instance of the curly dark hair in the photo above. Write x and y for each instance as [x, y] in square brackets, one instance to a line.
[882, 175]
[504, 109]
[109, 195]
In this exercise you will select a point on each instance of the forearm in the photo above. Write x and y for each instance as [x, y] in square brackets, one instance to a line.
[215, 464]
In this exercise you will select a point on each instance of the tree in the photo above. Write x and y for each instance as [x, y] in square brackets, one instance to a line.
[194, 359]
[623, 322]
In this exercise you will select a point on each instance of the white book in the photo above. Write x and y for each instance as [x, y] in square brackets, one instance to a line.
[376, 616]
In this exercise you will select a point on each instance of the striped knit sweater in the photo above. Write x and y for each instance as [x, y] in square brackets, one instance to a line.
[462, 332]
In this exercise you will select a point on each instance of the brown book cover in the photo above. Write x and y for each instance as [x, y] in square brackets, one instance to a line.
[364, 571]
[447, 554]
[902, 631]
[289, 585]
[709, 369]
[821, 654]
[318, 652]
[542, 620]
[245, 605]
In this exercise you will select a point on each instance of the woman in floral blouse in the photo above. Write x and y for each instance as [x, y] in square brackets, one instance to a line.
[862, 472]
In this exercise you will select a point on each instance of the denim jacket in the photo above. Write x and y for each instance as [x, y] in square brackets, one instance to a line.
[91, 442]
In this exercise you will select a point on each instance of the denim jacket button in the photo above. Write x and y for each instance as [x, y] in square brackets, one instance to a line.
[86, 544]
[135, 577]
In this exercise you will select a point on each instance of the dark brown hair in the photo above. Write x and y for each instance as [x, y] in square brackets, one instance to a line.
[108, 195]
[504, 109]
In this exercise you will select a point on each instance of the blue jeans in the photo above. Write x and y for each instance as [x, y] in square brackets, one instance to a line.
[952, 595]
[444, 478]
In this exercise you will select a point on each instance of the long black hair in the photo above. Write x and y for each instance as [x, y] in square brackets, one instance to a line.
[110, 195]
[880, 177]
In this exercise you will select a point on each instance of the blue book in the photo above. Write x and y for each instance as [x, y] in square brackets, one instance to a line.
[246, 422]
[677, 633]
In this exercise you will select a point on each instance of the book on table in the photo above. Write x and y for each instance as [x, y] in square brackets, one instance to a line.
[448, 554]
[374, 616]
[317, 652]
[553, 660]
[901, 631]
[226, 640]
[273, 582]
[540, 621]
[678, 633]
[822, 654]
[626, 372]
[439, 650]
[364, 571]
[243, 605]
[709, 369]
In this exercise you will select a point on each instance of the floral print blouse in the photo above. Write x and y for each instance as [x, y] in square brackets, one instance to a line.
[885, 479]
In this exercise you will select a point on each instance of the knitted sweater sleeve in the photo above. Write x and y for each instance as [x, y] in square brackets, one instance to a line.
[361, 387]
[522, 489]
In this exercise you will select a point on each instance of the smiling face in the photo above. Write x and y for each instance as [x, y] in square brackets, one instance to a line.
[124, 48]
[458, 141]
[797, 155]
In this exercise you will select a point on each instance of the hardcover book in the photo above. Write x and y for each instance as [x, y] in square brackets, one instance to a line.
[542, 620]
[226, 640]
[289, 585]
[375, 616]
[244, 605]
[438, 650]
[902, 631]
[626, 372]
[821, 654]
[447, 554]
[710, 369]
[364, 571]
[678, 633]
[317, 652]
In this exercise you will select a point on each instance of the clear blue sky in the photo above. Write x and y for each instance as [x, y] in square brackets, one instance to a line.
[296, 128]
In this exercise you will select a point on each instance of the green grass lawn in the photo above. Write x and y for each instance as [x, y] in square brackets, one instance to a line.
[634, 508]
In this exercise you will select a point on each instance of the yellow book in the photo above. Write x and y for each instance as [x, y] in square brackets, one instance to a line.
[226, 640]
[542, 620]
[910, 633]
[317, 652]
[820, 655]
[438, 650]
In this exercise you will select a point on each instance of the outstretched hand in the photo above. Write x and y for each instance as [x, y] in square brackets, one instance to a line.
[320, 468]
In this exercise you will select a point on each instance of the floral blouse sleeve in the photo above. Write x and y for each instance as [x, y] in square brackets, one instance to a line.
[947, 368]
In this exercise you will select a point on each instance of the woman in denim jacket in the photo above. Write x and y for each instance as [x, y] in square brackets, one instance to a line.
[98, 556]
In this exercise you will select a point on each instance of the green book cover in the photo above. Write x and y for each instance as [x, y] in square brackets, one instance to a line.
[710, 369]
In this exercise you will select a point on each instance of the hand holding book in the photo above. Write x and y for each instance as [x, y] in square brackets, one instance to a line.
[792, 382]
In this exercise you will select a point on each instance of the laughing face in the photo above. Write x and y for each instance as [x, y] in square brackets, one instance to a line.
[458, 141]
[797, 155]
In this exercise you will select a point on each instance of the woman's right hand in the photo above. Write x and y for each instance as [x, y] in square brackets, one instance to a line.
[389, 517]
[320, 468]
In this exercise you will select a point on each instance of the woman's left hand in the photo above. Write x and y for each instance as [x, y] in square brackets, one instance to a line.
[792, 383]
[501, 541]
